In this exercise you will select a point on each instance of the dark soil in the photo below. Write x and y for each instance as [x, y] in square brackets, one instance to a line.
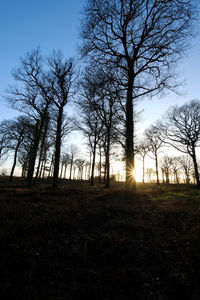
[82, 242]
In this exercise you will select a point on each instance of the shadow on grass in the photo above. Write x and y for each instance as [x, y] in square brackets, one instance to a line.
[83, 242]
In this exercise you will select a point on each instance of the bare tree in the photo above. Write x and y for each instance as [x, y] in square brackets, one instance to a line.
[182, 130]
[43, 142]
[23, 160]
[80, 164]
[33, 97]
[187, 166]
[44, 83]
[92, 129]
[3, 140]
[142, 40]
[89, 123]
[142, 150]
[61, 76]
[65, 161]
[149, 172]
[15, 132]
[155, 143]
[73, 151]
[25, 149]
[176, 167]
[166, 164]
[105, 104]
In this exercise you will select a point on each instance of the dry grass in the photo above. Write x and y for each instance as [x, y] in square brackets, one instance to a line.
[82, 242]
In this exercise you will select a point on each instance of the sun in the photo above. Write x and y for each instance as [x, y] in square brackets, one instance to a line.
[137, 173]
[118, 168]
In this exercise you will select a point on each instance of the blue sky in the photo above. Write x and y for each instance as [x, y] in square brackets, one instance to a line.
[50, 24]
[26, 24]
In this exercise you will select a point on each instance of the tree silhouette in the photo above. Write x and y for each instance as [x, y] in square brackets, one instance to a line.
[142, 150]
[142, 41]
[181, 130]
[60, 77]
[152, 135]
[44, 84]
[33, 97]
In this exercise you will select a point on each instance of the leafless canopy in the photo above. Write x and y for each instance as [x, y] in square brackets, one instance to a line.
[142, 40]
[182, 130]
[140, 36]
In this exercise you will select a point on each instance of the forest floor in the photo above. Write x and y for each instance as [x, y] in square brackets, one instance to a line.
[84, 242]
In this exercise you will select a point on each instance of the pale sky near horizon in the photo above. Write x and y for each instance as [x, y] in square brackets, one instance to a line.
[54, 24]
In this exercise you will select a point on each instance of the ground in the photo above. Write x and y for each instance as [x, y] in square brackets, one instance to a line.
[83, 242]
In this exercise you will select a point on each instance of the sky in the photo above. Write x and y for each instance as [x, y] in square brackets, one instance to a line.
[54, 24]
[27, 24]
[50, 24]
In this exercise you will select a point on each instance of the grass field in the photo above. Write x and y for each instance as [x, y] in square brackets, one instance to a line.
[83, 242]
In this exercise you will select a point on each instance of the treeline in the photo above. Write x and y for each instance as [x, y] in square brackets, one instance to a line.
[130, 50]
[45, 86]
[179, 129]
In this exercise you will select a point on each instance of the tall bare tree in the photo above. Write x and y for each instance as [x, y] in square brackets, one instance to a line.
[152, 135]
[176, 168]
[142, 40]
[187, 167]
[15, 132]
[104, 102]
[3, 140]
[142, 150]
[42, 145]
[92, 129]
[166, 165]
[73, 151]
[61, 76]
[65, 161]
[182, 130]
[33, 97]
[90, 123]
[43, 83]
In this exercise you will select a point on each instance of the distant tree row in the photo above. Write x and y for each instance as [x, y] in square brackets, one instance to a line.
[43, 90]
[180, 129]
[130, 50]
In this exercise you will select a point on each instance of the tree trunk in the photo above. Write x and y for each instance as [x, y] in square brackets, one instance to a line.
[44, 167]
[51, 164]
[130, 179]
[74, 173]
[167, 177]
[86, 172]
[157, 176]
[70, 173]
[93, 164]
[41, 169]
[187, 177]
[143, 169]
[15, 160]
[90, 166]
[105, 173]
[100, 164]
[65, 171]
[42, 147]
[61, 171]
[195, 167]
[57, 147]
[163, 175]
[176, 177]
[33, 154]
[108, 160]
